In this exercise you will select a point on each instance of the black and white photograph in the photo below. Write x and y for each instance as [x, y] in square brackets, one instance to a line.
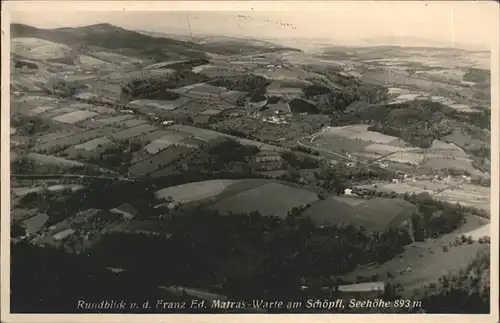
[268, 158]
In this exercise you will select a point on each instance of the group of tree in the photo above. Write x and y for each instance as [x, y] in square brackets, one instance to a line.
[243, 256]
[419, 122]
[254, 85]
[335, 101]
[118, 157]
[303, 106]
[159, 88]
[218, 155]
[63, 88]
[224, 253]
[20, 63]
[477, 75]
[306, 150]
[299, 161]
[30, 125]
[61, 279]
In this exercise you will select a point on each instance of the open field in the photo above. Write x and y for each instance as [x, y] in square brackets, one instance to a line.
[22, 191]
[463, 140]
[360, 132]
[209, 135]
[192, 142]
[455, 191]
[402, 188]
[445, 149]
[158, 161]
[19, 140]
[201, 88]
[91, 107]
[112, 120]
[115, 58]
[53, 160]
[239, 186]
[54, 113]
[265, 199]
[376, 214]
[427, 262]
[24, 104]
[133, 132]
[148, 139]
[427, 259]
[396, 91]
[131, 123]
[454, 75]
[53, 136]
[414, 187]
[75, 116]
[360, 142]
[406, 158]
[338, 144]
[195, 191]
[348, 200]
[467, 195]
[196, 107]
[75, 139]
[170, 138]
[448, 163]
[483, 231]
[160, 104]
[217, 70]
[94, 144]
[382, 149]
[36, 48]
[123, 76]
[40, 109]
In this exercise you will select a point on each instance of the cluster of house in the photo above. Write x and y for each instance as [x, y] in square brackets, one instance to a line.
[85, 227]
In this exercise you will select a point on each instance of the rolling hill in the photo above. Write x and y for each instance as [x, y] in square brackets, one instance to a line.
[112, 38]
[137, 44]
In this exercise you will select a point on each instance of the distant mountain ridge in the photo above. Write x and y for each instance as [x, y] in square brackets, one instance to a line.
[130, 42]
[112, 38]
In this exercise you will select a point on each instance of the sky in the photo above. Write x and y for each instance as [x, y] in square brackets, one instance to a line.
[449, 24]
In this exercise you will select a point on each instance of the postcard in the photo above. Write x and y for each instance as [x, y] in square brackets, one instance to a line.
[220, 161]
